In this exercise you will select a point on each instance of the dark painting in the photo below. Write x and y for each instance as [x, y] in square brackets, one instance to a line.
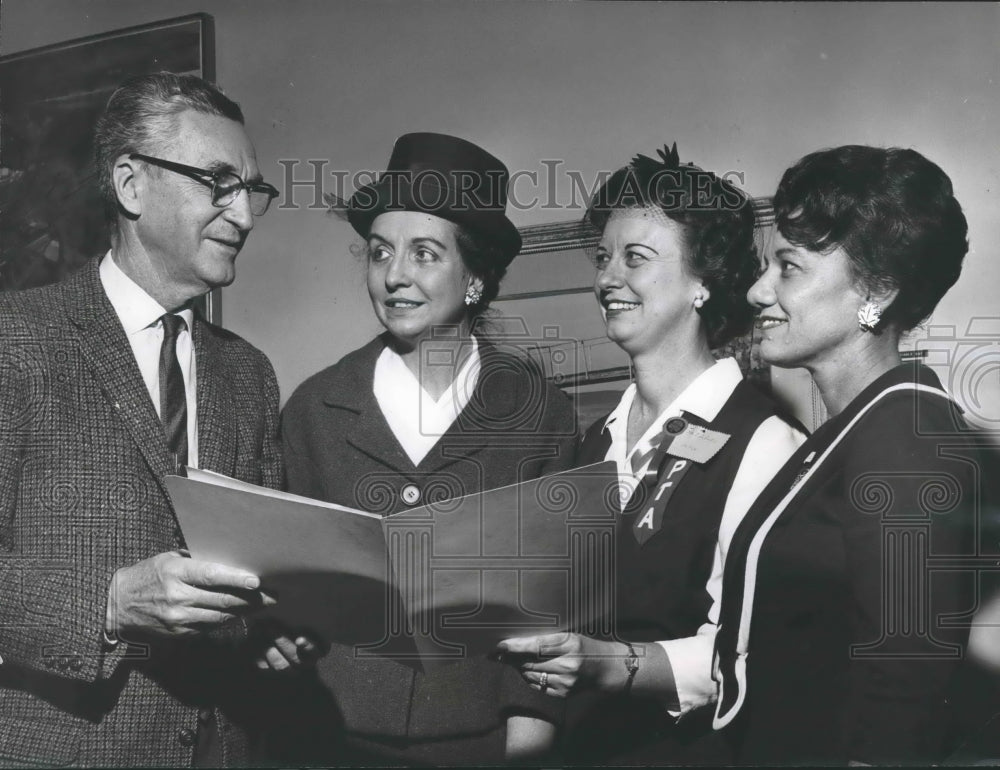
[51, 218]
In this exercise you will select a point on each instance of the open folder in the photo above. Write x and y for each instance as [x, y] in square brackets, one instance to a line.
[430, 584]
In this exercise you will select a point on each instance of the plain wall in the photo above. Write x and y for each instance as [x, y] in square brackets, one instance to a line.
[742, 87]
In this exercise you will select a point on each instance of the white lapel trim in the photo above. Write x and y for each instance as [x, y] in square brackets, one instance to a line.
[753, 554]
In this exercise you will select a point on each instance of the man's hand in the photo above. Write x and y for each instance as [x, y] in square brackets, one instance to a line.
[172, 595]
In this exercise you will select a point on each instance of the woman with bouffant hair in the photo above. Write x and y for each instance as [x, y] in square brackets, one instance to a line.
[838, 641]
[693, 443]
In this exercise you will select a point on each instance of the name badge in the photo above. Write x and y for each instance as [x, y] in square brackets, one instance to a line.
[697, 444]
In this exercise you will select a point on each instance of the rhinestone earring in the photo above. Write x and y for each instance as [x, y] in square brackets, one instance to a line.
[869, 314]
[472, 295]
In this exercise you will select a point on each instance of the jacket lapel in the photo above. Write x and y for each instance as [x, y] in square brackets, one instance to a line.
[493, 400]
[106, 350]
[372, 435]
[352, 394]
[217, 428]
[492, 403]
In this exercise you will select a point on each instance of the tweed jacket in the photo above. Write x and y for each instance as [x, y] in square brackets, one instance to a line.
[82, 461]
[339, 447]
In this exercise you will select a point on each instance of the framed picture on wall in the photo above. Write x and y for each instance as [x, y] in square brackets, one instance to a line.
[51, 219]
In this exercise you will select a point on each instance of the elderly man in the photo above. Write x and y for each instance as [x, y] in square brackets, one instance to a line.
[111, 636]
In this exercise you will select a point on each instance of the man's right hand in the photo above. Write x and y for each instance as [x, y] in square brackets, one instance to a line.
[172, 595]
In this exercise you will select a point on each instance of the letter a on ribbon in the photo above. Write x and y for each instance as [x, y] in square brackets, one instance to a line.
[651, 521]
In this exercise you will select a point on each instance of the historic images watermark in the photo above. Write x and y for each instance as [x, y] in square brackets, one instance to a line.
[959, 493]
[903, 508]
[470, 565]
[313, 184]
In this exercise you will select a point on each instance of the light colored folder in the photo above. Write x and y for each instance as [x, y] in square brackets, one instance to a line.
[426, 585]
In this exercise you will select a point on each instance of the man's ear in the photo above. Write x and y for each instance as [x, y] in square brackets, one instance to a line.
[126, 185]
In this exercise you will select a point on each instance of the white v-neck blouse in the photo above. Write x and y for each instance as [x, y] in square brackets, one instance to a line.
[415, 418]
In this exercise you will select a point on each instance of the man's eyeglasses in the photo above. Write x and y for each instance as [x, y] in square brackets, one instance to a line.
[225, 185]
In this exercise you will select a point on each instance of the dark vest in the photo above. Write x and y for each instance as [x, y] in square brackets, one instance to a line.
[660, 585]
[660, 594]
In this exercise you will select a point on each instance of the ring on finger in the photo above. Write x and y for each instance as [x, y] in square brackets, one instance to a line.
[543, 680]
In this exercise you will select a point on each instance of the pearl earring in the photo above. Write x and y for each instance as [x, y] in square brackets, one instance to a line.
[699, 299]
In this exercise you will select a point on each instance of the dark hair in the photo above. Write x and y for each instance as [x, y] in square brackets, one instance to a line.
[484, 259]
[891, 210]
[140, 115]
[718, 224]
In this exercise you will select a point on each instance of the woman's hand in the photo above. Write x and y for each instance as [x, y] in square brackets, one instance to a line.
[274, 647]
[284, 653]
[560, 664]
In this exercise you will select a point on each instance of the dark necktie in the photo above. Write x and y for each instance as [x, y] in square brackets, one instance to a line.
[173, 399]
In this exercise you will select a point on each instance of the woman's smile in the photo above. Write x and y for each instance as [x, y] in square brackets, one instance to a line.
[394, 303]
[613, 306]
[766, 323]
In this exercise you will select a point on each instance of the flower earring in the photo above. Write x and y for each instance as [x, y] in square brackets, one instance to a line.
[473, 294]
[699, 300]
[869, 314]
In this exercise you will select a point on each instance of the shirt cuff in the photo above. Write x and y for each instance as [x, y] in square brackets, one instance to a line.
[691, 661]
[110, 640]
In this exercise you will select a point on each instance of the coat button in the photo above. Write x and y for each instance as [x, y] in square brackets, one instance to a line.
[186, 737]
[411, 494]
[205, 716]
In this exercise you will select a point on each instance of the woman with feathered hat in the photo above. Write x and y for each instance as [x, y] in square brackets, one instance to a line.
[694, 443]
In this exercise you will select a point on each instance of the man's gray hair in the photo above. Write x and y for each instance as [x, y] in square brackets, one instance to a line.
[141, 114]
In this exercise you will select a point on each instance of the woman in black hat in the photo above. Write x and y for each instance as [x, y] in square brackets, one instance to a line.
[429, 410]
[694, 444]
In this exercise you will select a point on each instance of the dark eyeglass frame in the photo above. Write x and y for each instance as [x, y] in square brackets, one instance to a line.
[222, 196]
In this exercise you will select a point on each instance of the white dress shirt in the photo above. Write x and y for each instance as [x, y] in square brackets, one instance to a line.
[140, 317]
[772, 444]
[417, 420]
